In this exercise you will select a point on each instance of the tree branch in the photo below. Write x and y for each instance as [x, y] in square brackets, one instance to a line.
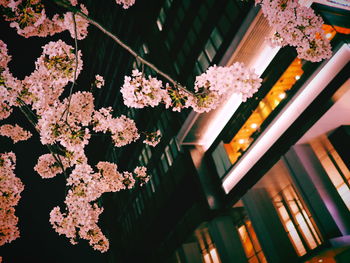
[121, 43]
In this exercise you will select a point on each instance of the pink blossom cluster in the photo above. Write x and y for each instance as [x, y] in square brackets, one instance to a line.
[16, 133]
[9, 85]
[297, 26]
[210, 88]
[123, 129]
[4, 56]
[82, 213]
[126, 3]
[218, 81]
[54, 70]
[139, 92]
[99, 81]
[10, 194]
[65, 122]
[152, 138]
[141, 174]
[30, 19]
[49, 166]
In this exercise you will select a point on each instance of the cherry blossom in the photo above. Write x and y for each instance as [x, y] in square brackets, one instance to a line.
[297, 26]
[152, 138]
[81, 23]
[48, 166]
[29, 18]
[16, 133]
[123, 129]
[139, 92]
[126, 3]
[141, 174]
[210, 88]
[10, 189]
[217, 82]
[4, 57]
[82, 213]
[99, 82]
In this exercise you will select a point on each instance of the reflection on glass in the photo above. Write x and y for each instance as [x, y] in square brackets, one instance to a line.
[334, 166]
[240, 143]
[297, 221]
[250, 243]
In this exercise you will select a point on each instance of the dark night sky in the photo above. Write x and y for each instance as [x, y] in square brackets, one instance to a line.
[38, 243]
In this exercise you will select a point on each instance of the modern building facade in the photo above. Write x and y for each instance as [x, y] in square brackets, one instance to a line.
[267, 180]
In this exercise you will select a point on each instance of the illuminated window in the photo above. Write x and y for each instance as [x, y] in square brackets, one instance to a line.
[334, 166]
[243, 139]
[250, 243]
[297, 221]
[208, 249]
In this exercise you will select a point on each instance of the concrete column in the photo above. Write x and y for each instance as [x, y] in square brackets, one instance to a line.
[317, 188]
[226, 239]
[210, 182]
[268, 227]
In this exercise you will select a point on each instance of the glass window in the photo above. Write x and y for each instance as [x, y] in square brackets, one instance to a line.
[151, 188]
[176, 68]
[334, 166]
[159, 25]
[198, 69]
[162, 15]
[155, 176]
[164, 163]
[145, 157]
[221, 160]
[216, 38]
[166, 42]
[251, 128]
[168, 3]
[149, 151]
[203, 61]
[174, 147]
[145, 48]
[168, 155]
[210, 50]
[141, 160]
[297, 221]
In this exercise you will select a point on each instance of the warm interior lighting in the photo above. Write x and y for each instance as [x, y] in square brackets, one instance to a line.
[250, 243]
[331, 31]
[282, 95]
[334, 166]
[214, 255]
[288, 115]
[243, 138]
[254, 125]
[297, 222]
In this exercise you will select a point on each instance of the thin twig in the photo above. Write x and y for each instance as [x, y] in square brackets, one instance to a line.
[75, 69]
[122, 44]
[30, 119]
